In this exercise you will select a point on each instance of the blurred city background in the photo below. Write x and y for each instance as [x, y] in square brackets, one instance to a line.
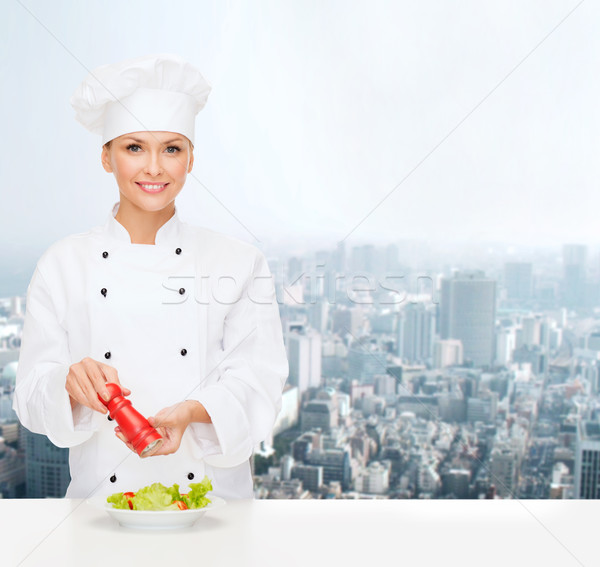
[423, 178]
[474, 377]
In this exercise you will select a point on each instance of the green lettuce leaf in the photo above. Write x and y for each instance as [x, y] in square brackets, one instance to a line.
[118, 501]
[153, 497]
[196, 496]
[174, 492]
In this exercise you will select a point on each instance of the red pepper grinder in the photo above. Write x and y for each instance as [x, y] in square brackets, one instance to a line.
[134, 426]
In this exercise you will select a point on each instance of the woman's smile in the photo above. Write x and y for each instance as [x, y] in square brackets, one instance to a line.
[151, 187]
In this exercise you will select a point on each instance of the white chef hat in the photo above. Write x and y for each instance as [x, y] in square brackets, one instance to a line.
[151, 93]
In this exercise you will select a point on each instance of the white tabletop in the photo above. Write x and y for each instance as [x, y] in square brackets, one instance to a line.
[284, 533]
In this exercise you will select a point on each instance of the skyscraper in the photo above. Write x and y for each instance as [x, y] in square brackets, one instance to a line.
[304, 355]
[518, 280]
[318, 315]
[504, 471]
[347, 320]
[416, 330]
[574, 273]
[587, 460]
[363, 259]
[365, 360]
[505, 345]
[46, 467]
[468, 313]
[338, 258]
[448, 352]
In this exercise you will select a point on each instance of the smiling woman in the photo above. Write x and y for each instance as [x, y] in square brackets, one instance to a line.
[150, 169]
[117, 304]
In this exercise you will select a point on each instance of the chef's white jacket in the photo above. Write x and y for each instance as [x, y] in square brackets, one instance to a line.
[193, 316]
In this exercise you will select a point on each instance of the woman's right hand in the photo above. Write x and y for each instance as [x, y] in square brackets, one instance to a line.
[86, 380]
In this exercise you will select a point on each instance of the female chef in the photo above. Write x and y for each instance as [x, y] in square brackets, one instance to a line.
[183, 318]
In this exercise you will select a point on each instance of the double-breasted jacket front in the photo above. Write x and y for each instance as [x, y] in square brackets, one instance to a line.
[193, 316]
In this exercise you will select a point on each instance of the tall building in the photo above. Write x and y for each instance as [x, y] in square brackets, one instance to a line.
[333, 357]
[587, 460]
[318, 315]
[483, 408]
[386, 386]
[335, 463]
[505, 345]
[468, 313]
[304, 356]
[504, 471]
[416, 332]
[288, 415]
[338, 258]
[310, 475]
[295, 269]
[365, 360]
[392, 255]
[531, 328]
[12, 472]
[518, 279]
[535, 355]
[46, 467]
[347, 320]
[375, 479]
[574, 275]
[456, 483]
[448, 352]
[318, 414]
[364, 259]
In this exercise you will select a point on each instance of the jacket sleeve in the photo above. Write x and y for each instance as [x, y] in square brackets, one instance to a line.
[245, 401]
[40, 398]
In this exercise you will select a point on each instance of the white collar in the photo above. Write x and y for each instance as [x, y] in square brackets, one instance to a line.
[168, 233]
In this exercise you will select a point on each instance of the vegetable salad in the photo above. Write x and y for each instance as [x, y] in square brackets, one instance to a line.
[159, 497]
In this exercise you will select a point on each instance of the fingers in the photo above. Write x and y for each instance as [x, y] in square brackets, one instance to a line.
[161, 418]
[160, 451]
[157, 420]
[80, 388]
[167, 424]
[96, 376]
[87, 380]
[92, 396]
[168, 446]
[111, 375]
[172, 416]
[80, 396]
[169, 429]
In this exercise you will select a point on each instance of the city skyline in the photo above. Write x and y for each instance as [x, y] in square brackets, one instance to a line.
[429, 139]
[17, 264]
[399, 399]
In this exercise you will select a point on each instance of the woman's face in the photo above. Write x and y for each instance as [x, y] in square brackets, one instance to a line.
[150, 167]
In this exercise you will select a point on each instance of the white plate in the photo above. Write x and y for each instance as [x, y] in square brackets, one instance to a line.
[156, 520]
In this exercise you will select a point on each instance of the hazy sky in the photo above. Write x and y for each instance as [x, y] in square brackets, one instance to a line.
[318, 110]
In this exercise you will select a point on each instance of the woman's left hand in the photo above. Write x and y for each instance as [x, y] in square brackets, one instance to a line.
[171, 423]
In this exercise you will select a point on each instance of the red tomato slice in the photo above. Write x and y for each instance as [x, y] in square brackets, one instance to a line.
[181, 505]
[129, 496]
